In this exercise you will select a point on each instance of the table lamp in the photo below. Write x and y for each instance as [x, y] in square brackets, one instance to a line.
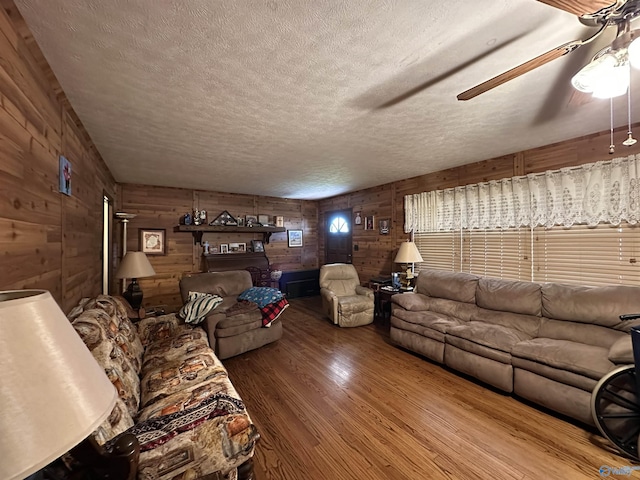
[408, 254]
[134, 265]
[53, 393]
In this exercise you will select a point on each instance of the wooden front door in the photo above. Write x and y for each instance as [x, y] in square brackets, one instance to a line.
[338, 237]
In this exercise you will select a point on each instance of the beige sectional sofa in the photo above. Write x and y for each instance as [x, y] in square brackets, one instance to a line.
[547, 343]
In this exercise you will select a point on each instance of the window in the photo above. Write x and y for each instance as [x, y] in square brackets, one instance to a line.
[339, 225]
[601, 255]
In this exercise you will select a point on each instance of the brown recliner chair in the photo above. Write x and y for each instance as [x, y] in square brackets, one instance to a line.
[230, 335]
[344, 300]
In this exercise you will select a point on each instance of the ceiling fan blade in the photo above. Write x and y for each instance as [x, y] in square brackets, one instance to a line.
[520, 70]
[579, 7]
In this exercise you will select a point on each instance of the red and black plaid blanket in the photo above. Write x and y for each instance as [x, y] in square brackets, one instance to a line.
[272, 311]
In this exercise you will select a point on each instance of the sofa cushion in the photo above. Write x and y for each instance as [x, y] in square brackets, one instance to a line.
[412, 301]
[420, 331]
[621, 352]
[596, 305]
[198, 307]
[587, 360]
[494, 336]
[451, 285]
[528, 324]
[509, 296]
[579, 332]
[461, 310]
[154, 329]
[186, 343]
[478, 349]
[178, 374]
[433, 320]
[559, 375]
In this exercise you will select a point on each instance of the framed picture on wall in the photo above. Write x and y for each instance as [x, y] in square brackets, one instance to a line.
[153, 241]
[383, 226]
[257, 245]
[368, 222]
[295, 238]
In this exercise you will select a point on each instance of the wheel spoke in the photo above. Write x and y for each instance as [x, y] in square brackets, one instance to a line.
[633, 435]
[621, 401]
[619, 415]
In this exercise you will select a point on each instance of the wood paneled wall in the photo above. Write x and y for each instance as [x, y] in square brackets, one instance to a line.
[158, 207]
[376, 252]
[49, 240]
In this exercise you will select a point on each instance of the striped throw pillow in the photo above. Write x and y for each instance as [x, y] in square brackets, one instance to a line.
[198, 307]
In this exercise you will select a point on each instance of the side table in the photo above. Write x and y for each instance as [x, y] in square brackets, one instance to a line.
[383, 302]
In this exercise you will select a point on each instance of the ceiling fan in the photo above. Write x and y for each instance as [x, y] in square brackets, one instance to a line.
[593, 13]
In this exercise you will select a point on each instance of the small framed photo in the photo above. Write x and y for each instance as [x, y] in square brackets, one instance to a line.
[214, 250]
[383, 226]
[251, 220]
[368, 222]
[234, 247]
[279, 221]
[153, 241]
[240, 221]
[242, 247]
[257, 245]
[294, 238]
[263, 219]
[224, 248]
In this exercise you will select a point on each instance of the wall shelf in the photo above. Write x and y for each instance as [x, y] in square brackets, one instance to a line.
[198, 230]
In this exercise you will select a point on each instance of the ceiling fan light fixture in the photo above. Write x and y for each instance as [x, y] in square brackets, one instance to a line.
[634, 53]
[594, 73]
[614, 84]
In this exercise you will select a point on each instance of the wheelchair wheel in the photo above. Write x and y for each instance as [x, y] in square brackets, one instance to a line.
[615, 408]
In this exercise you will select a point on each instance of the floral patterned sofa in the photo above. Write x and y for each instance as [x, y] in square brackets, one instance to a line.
[174, 394]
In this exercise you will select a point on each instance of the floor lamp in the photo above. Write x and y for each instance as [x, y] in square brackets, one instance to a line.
[125, 218]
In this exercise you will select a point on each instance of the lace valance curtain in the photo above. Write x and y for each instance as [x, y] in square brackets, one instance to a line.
[601, 192]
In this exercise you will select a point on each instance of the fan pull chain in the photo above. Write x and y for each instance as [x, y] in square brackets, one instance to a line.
[630, 140]
[612, 147]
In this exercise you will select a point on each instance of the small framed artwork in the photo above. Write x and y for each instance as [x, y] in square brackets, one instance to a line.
[358, 219]
[153, 241]
[251, 220]
[257, 245]
[224, 248]
[65, 176]
[295, 238]
[279, 221]
[213, 250]
[368, 222]
[263, 219]
[242, 247]
[383, 226]
[234, 247]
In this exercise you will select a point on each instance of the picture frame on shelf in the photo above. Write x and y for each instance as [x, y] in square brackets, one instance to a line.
[294, 238]
[242, 247]
[240, 221]
[279, 221]
[257, 245]
[153, 241]
[234, 247]
[214, 250]
[250, 220]
[263, 220]
[224, 248]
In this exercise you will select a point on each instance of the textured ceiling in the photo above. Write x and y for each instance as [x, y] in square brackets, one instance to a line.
[309, 99]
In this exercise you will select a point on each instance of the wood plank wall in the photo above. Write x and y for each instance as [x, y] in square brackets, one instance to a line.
[376, 252]
[160, 207]
[49, 240]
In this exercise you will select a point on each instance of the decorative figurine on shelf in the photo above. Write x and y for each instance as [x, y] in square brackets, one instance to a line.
[205, 247]
[196, 217]
[187, 218]
[203, 217]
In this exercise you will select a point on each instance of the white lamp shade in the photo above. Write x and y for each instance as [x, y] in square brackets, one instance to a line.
[408, 253]
[53, 393]
[135, 265]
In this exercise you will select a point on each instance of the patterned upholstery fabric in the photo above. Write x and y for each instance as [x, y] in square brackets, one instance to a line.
[177, 376]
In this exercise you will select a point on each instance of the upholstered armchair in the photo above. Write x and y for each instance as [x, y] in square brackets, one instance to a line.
[344, 300]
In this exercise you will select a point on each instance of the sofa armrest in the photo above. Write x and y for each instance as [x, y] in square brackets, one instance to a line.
[621, 352]
[360, 290]
[415, 302]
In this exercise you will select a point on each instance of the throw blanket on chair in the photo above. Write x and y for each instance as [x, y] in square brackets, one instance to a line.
[272, 311]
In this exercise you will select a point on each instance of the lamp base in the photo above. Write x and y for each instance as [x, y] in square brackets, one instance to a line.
[133, 294]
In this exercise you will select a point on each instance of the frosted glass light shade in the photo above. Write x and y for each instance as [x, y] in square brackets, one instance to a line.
[135, 265]
[53, 393]
[408, 253]
[605, 77]
[634, 53]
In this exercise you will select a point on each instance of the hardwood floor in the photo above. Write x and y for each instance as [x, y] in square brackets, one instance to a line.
[334, 403]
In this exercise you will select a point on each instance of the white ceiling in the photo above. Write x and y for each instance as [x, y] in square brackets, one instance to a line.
[287, 97]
